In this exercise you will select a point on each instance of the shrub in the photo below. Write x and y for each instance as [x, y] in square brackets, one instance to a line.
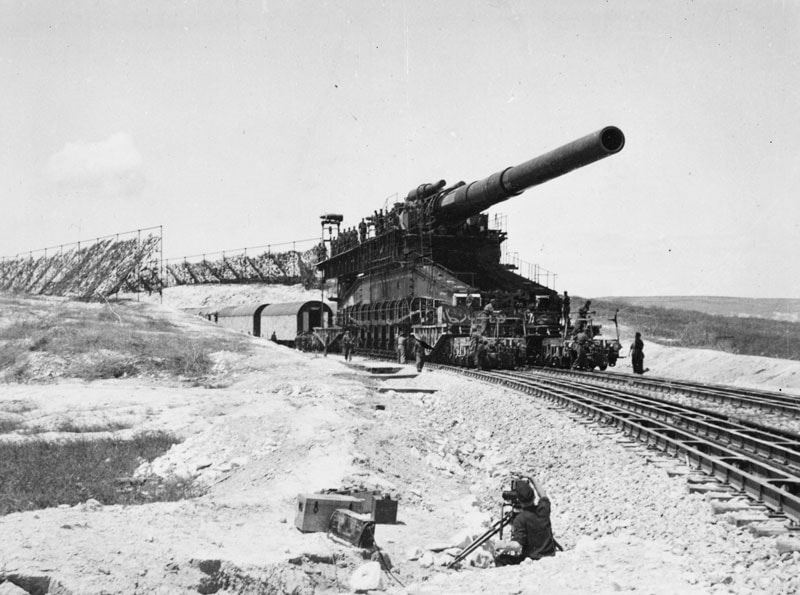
[42, 473]
[94, 341]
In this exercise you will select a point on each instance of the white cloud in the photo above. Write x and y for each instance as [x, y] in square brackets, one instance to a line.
[108, 168]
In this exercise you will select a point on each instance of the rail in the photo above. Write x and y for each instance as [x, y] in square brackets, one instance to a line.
[769, 400]
[766, 472]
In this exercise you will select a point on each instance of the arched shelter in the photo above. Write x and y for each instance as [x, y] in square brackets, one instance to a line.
[289, 319]
[246, 318]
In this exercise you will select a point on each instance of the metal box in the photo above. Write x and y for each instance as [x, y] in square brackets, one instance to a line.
[381, 508]
[314, 510]
[353, 528]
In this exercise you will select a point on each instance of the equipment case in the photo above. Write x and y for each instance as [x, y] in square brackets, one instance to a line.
[314, 510]
[353, 528]
[380, 507]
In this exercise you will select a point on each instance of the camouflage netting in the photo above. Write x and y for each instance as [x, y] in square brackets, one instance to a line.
[92, 272]
[284, 267]
[107, 267]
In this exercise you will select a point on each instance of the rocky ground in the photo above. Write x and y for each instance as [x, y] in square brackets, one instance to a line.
[279, 423]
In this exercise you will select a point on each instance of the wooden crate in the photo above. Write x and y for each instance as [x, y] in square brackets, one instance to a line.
[314, 510]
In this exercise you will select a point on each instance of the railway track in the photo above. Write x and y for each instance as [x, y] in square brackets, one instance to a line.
[760, 461]
[779, 409]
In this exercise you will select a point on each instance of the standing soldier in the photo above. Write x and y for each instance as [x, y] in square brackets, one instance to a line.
[490, 313]
[583, 316]
[419, 352]
[379, 223]
[362, 231]
[637, 354]
[474, 342]
[347, 345]
[581, 341]
[401, 348]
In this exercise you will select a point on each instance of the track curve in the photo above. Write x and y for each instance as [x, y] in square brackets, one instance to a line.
[757, 459]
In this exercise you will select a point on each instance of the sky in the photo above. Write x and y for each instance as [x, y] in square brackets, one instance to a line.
[237, 124]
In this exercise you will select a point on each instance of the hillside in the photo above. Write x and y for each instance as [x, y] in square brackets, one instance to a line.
[694, 329]
[786, 310]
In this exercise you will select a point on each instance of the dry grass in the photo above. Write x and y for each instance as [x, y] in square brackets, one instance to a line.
[43, 473]
[45, 338]
[685, 328]
[42, 339]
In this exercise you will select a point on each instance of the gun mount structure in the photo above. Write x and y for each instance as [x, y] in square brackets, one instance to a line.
[431, 266]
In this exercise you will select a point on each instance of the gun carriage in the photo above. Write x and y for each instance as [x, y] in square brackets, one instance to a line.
[430, 266]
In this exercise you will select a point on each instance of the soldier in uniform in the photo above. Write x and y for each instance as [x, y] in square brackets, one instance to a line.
[474, 342]
[347, 345]
[419, 352]
[583, 316]
[581, 344]
[401, 348]
[637, 354]
[490, 313]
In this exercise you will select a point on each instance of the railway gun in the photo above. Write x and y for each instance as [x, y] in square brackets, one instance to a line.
[429, 269]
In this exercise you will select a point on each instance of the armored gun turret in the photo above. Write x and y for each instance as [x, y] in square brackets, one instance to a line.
[430, 265]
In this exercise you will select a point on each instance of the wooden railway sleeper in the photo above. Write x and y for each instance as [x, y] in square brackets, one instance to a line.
[779, 490]
[704, 425]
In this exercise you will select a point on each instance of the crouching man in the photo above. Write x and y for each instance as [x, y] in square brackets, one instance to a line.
[531, 534]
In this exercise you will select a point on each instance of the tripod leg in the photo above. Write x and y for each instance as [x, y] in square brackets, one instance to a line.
[473, 546]
[498, 526]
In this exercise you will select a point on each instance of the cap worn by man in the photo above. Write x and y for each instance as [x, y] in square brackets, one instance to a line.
[525, 493]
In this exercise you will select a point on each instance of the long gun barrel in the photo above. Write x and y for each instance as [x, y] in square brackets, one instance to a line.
[470, 199]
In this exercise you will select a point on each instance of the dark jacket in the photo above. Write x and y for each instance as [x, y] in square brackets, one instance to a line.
[532, 530]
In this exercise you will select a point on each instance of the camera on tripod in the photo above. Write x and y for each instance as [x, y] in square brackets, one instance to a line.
[512, 497]
[513, 500]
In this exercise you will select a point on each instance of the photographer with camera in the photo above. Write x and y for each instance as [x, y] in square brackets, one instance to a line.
[531, 534]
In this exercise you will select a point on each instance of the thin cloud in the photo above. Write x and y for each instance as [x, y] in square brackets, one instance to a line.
[109, 168]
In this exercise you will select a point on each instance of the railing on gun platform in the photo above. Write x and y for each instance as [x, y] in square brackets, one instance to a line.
[529, 270]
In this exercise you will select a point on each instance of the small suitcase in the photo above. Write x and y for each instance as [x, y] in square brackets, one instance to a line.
[314, 510]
